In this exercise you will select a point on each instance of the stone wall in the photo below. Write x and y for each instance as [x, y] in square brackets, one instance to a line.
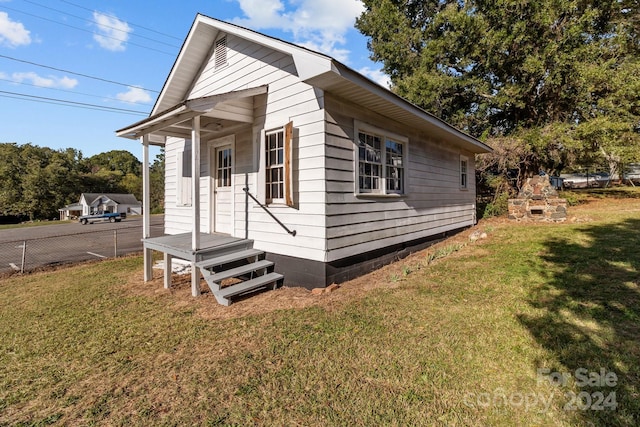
[538, 201]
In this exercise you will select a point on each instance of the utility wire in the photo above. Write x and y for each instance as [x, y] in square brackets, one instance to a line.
[85, 30]
[74, 73]
[46, 100]
[69, 91]
[106, 110]
[106, 26]
[113, 16]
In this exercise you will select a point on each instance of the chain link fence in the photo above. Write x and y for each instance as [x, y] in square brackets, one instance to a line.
[20, 256]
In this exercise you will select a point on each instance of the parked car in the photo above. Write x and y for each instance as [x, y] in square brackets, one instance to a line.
[581, 180]
[100, 217]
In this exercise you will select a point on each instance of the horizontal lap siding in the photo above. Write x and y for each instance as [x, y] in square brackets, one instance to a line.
[287, 99]
[307, 218]
[433, 204]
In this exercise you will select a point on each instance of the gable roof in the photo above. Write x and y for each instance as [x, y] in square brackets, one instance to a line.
[314, 68]
[121, 199]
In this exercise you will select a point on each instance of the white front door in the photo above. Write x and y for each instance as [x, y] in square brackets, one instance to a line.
[222, 198]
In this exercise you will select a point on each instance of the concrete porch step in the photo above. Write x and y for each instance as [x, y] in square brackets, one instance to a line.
[224, 295]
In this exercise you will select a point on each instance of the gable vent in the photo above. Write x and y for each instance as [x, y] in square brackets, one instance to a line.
[220, 54]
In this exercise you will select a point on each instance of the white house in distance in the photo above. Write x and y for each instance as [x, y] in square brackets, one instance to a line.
[298, 159]
[102, 202]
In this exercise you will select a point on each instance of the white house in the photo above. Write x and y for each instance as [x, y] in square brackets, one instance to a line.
[102, 202]
[304, 161]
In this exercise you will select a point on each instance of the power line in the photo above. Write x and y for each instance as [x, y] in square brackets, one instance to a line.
[74, 73]
[67, 91]
[85, 30]
[102, 25]
[106, 110]
[45, 100]
[135, 25]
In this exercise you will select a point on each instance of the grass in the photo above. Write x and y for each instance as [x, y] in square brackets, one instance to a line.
[33, 224]
[460, 338]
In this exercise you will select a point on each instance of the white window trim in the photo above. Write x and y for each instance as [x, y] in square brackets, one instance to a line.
[274, 200]
[464, 172]
[384, 134]
[261, 183]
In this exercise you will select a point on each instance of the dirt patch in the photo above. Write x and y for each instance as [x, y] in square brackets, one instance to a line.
[285, 298]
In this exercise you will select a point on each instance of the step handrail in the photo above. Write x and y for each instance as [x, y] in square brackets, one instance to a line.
[266, 209]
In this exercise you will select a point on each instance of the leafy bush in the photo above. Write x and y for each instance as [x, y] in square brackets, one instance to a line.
[499, 206]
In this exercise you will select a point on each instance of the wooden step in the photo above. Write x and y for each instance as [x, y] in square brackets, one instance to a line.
[238, 271]
[226, 259]
[223, 295]
[225, 245]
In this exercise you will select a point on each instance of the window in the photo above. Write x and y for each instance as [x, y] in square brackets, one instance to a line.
[223, 166]
[381, 163]
[183, 190]
[275, 166]
[220, 52]
[394, 172]
[278, 170]
[463, 172]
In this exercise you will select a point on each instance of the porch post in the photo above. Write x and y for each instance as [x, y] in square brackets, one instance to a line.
[146, 219]
[195, 202]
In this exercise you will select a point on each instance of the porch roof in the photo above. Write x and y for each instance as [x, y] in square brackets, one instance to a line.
[170, 121]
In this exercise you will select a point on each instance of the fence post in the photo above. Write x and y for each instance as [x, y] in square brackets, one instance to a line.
[24, 256]
[115, 243]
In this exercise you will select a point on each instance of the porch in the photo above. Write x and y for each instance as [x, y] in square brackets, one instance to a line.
[219, 257]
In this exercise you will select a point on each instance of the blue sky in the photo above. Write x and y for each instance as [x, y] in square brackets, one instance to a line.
[74, 71]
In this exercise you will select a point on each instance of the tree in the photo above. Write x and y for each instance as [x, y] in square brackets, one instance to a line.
[37, 181]
[560, 76]
[115, 160]
[11, 170]
[156, 178]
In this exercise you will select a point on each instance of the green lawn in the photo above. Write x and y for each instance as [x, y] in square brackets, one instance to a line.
[459, 334]
[32, 224]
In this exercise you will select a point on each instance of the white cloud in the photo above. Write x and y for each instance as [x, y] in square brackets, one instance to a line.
[377, 76]
[50, 81]
[135, 95]
[112, 33]
[320, 25]
[12, 33]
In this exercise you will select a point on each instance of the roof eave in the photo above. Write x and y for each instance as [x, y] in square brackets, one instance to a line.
[341, 71]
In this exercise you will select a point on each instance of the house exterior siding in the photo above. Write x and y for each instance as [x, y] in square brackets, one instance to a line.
[331, 221]
[288, 99]
[433, 202]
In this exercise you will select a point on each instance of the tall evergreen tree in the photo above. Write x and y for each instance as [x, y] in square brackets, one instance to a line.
[559, 77]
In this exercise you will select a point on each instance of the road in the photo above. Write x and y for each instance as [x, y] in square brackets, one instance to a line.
[56, 244]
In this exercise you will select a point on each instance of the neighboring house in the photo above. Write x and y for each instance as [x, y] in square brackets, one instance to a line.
[91, 203]
[72, 211]
[326, 172]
